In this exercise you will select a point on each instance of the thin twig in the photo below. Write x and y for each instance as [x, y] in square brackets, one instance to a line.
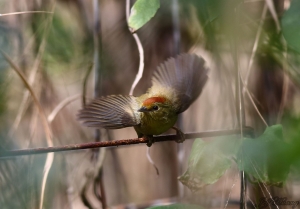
[88, 72]
[261, 178]
[285, 89]
[37, 103]
[84, 198]
[127, 10]
[151, 161]
[271, 7]
[26, 12]
[116, 143]
[249, 67]
[231, 189]
[253, 103]
[97, 89]
[102, 189]
[31, 80]
[240, 111]
[285, 85]
[141, 65]
[241, 117]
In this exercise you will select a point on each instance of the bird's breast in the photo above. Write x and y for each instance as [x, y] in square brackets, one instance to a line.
[155, 124]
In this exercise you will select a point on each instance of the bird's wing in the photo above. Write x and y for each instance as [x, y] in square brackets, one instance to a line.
[112, 112]
[186, 74]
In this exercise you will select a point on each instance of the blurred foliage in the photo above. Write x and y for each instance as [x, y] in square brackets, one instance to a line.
[266, 158]
[60, 42]
[63, 38]
[291, 25]
[208, 161]
[21, 177]
[20, 181]
[141, 12]
[291, 123]
[213, 16]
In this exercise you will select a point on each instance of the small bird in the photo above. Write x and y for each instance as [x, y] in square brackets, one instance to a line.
[176, 84]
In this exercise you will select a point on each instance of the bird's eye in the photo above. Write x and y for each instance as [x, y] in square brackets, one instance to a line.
[155, 107]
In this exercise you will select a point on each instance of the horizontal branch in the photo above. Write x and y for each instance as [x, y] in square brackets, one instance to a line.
[116, 143]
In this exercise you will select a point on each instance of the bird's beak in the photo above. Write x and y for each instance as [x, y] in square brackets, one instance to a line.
[143, 109]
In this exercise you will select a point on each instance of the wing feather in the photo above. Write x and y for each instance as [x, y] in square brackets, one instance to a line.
[112, 112]
[186, 74]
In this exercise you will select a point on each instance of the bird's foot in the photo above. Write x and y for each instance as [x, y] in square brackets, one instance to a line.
[150, 140]
[180, 134]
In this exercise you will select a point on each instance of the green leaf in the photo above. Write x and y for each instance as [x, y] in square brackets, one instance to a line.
[291, 25]
[177, 206]
[141, 12]
[291, 124]
[265, 158]
[208, 161]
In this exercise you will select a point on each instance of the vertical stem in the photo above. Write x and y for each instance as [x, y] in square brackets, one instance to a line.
[97, 54]
[241, 114]
[176, 27]
[240, 109]
[102, 190]
[176, 51]
[97, 87]
[97, 49]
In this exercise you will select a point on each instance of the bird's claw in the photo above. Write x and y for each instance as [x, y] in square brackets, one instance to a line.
[180, 134]
[150, 140]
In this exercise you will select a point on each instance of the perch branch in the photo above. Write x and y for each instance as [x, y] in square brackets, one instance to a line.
[116, 143]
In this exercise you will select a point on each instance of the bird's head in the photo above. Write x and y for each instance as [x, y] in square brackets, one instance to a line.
[155, 105]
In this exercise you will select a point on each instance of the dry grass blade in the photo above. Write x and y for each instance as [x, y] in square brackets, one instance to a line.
[48, 132]
[31, 80]
[255, 45]
[273, 12]
[37, 103]
[253, 103]
[26, 12]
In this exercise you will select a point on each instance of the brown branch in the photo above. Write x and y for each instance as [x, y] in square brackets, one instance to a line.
[116, 143]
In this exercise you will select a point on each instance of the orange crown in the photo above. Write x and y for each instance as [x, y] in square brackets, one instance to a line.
[148, 102]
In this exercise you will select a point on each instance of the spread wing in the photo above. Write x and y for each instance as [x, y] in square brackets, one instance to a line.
[186, 74]
[112, 112]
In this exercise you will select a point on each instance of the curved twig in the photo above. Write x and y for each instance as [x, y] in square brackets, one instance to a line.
[60, 106]
[140, 49]
[151, 161]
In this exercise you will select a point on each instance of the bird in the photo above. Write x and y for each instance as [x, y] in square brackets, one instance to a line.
[176, 84]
